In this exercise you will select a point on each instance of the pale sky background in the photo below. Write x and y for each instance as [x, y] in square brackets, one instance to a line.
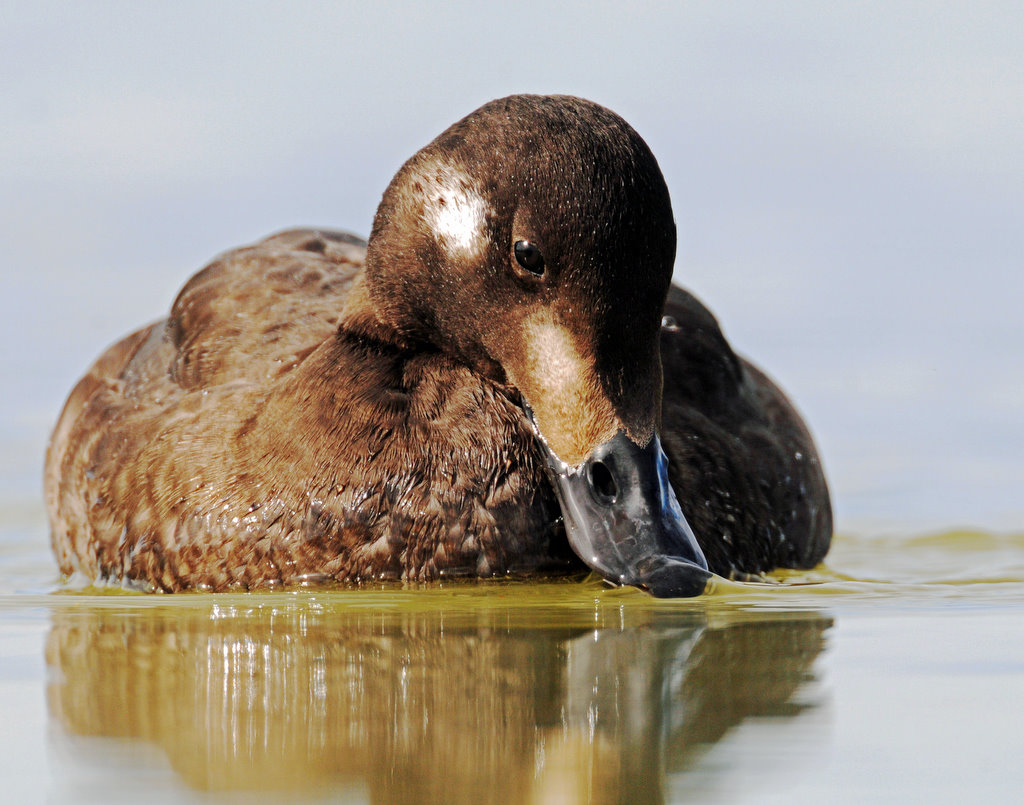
[848, 182]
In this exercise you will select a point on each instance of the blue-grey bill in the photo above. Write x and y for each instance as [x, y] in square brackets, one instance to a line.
[623, 520]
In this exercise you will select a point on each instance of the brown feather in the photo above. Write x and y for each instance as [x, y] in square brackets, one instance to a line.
[247, 442]
[316, 408]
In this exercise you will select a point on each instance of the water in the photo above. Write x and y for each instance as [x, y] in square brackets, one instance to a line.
[847, 186]
[891, 674]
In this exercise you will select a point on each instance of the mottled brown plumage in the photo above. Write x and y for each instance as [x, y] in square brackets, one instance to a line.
[246, 442]
[313, 410]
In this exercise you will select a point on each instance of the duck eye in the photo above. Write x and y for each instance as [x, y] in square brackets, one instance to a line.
[529, 257]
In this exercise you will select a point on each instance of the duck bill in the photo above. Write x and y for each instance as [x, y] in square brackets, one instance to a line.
[623, 520]
[601, 444]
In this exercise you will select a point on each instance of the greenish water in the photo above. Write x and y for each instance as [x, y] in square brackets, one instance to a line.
[894, 673]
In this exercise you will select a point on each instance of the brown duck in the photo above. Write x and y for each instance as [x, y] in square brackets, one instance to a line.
[502, 380]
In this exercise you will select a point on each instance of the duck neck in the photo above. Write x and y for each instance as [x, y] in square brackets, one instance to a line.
[359, 317]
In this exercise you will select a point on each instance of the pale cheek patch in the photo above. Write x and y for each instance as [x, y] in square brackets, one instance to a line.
[562, 388]
[553, 357]
[456, 213]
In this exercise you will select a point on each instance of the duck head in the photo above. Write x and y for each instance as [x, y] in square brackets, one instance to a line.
[534, 241]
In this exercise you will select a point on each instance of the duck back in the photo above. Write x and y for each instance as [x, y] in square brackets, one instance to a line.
[742, 462]
[246, 442]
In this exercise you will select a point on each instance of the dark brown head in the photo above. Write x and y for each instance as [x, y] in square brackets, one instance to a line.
[534, 241]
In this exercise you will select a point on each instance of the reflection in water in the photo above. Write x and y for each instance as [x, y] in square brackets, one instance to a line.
[305, 693]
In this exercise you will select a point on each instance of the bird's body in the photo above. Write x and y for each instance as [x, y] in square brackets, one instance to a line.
[296, 420]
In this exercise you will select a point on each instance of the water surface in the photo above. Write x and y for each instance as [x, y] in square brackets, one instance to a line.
[892, 673]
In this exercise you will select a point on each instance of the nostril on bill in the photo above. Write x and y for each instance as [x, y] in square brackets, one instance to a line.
[602, 482]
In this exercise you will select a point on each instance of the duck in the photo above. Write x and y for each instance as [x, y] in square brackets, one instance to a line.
[501, 381]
